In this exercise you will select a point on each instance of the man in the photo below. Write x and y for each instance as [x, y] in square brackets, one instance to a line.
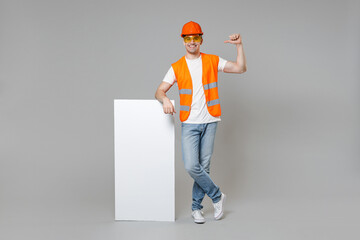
[196, 74]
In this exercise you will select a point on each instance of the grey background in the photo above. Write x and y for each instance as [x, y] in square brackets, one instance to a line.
[287, 149]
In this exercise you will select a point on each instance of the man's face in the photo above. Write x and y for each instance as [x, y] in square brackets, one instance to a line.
[192, 43]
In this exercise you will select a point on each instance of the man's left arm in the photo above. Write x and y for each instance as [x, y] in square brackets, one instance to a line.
[240, 65]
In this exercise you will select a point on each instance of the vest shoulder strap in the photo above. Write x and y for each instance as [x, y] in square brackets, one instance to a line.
[213, 58]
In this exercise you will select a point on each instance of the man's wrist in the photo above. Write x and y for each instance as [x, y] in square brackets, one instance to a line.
[165, 99]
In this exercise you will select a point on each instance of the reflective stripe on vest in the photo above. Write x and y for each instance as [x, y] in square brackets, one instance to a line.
[209, 82]
[184, 108]
[213, 102]
[185, 91]
[210, 85]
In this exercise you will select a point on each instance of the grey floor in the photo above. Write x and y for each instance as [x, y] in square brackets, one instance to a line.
[283, 218]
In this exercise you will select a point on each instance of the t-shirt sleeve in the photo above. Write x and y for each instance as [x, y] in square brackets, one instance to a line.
[170, 76]
[221, 64]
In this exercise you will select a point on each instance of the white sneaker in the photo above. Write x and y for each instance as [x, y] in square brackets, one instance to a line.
[219, 207]
[198, 217]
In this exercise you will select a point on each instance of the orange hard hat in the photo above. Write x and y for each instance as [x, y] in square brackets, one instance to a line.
[191, 28]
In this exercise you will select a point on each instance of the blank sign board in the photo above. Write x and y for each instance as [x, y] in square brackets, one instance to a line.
[144, 161]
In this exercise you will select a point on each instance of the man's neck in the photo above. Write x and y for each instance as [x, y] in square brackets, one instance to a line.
[192, 55]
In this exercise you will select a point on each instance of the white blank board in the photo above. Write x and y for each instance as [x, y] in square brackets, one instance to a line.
[144, 161]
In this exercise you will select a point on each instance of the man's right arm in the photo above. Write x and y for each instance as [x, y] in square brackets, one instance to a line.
[161, 96]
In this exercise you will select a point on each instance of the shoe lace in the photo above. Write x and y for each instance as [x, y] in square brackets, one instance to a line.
[217, 206]
[198, 213]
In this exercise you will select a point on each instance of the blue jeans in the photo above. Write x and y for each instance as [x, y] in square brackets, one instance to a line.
[197, 141]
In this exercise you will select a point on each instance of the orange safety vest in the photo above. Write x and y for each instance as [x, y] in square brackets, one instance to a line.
[209, 82]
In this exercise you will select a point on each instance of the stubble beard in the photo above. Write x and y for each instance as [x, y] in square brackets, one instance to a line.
[194, 50]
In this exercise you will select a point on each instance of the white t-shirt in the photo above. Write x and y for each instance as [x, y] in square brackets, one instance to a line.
[199, 112]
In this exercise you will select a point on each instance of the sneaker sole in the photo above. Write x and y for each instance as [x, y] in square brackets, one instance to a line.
[198, 221]
[222, 213]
